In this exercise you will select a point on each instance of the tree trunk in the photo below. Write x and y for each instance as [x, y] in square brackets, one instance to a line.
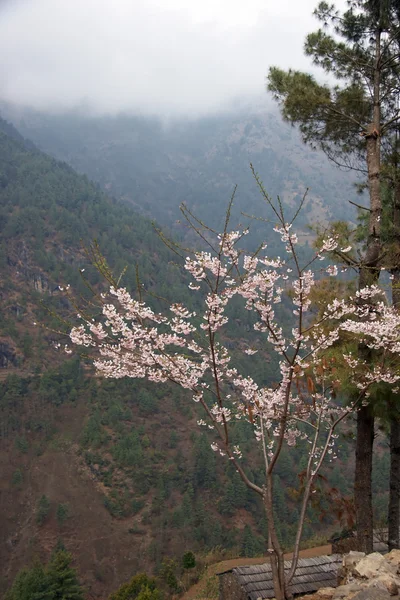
[275, 551]
[394, 485]
[363, 484]
[369, 275]
[394, 413]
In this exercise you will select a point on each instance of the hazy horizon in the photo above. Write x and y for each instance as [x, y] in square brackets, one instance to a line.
[149, 57]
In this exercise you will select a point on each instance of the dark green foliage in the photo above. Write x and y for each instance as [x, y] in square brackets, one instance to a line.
[252, 545]
[42, 510]
[168, 574]
[58, 386]
[94, 435]
[380, 485]
[30, 584]
[17, 478]
[114, 508]
[332, 117]
[235, 496]
[137, 506]
[128, 450]
[140, 586]
[380, 471]
[62, 513]
[188, 560]
[13, 392]
[21, 444]
[56, 581]
[173, 439]
[116, 412]
[63, 582]
[147, 594]
[27, 343]
[227, 505]
[147, 402]
[280, 505]
[60, 546]
[204, 472]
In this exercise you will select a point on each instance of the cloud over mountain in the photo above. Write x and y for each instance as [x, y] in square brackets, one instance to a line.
[150, 56]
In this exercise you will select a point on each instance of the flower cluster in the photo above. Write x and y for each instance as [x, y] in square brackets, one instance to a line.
[130, 340]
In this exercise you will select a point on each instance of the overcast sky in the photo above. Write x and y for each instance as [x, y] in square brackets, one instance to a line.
[152, 56]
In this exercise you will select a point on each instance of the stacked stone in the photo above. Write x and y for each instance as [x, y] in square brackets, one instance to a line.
[365, 577]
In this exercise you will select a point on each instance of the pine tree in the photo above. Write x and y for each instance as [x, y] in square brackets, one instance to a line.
[392, 227]
[350, 122]
[204, 464]
[43, 508]
[227, 504]
[251, 545]
[63, 582]
[188, 560]
[30, 584]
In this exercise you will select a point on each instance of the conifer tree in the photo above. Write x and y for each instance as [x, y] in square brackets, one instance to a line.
[391, 226]
[351, 122]
[30, 584]
[63, 582]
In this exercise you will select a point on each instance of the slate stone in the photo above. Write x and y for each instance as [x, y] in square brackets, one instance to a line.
[372, 593]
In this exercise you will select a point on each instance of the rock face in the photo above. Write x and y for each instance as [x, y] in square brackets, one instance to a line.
[365, 577]
[7, 356]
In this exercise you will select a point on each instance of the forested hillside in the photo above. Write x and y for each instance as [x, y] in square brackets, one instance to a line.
[156, 165]
[118, 471]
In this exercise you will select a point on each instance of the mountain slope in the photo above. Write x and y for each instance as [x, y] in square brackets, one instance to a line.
[157, 166]
[117, 470]
[47, 428]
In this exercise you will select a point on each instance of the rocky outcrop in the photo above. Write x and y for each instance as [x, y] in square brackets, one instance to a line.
[40, 283]
[20, 260]
[8, 357]
[365, 577]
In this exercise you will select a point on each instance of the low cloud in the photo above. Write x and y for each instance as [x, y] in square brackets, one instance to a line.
[146, 56]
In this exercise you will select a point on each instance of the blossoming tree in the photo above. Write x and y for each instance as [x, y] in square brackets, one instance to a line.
[128, 339]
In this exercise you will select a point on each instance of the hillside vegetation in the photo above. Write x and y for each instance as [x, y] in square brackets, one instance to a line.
[156, 165]
[117, 470]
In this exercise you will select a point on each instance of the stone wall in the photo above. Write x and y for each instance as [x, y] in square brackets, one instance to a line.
[365, 577]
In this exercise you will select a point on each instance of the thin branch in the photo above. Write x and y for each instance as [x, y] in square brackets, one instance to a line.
[360, 206]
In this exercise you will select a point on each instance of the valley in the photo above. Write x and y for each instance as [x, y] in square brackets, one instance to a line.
[128, 479]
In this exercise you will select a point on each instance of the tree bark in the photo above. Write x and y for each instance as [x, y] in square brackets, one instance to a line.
[369, 272]
[369, 275]
[394, 485]
[394, 412]
[276, 556]
[363, 473]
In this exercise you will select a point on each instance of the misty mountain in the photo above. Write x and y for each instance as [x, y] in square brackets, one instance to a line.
[156, 165]
[49, 409]
[110, 468]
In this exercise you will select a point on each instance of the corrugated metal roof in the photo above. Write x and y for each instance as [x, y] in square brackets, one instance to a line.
[311, 574]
